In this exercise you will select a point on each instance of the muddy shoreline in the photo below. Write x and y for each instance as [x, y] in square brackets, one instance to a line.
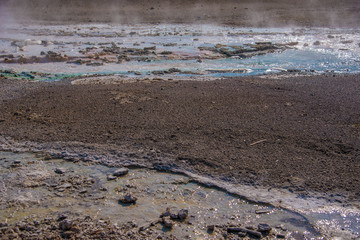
[298, 134]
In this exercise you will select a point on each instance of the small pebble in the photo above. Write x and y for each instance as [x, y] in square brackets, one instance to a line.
[121, 172]
[83, 191]
[65, 225]
[111, 177]
[183, 214]
[262, 211]
[128, 199]
[263, 227]
[167, 222]
[59, 170]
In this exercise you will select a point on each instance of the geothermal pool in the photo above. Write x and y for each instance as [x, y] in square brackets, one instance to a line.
[53, 52]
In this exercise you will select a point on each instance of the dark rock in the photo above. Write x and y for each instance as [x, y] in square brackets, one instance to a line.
[29, 228]
[3, 224]
[211, 228]
[244, 230]
[67, 234]
[279, 235]
[293, 70]
[150, 48]
[166, 213]
[250, 227]
[236, 229]
[174, 216]
[65, 225]
[262, 211]
[59, 170]
[128, 199]
[166, 52]
[241, 234]
[174, 70]
[183, 214]
[263, 227]
[254, 233]
[167, 222]
[61, 217]
[121, 172]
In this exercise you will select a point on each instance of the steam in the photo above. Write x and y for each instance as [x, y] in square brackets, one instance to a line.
[247, 13]
[6, 17]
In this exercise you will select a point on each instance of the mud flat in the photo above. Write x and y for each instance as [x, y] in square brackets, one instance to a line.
[66, 197]
[292, 142]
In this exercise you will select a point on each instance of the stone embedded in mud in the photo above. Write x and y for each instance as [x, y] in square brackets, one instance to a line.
[166, 213]
[121, 172]
[244, 230]
[61, 217]
[211, 228]
[236, 229]
[262, 211]
[263, 227]
[65, 225]
[167, 222]
[3, 224]
[59, 170]
[83, 191]
[174, 216]
[182, 214]
[65, 185]
[128, 199]
[67, 234]
[111, 177]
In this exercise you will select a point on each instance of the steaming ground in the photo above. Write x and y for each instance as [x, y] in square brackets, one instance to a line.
[258, 13]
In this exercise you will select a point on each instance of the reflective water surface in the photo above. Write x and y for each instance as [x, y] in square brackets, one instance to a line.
[170, 51]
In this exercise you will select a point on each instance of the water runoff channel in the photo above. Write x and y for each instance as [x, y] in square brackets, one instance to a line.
[30, 185]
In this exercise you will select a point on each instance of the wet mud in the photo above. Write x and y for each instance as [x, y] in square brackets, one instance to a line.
[41, 193]
[310, 144]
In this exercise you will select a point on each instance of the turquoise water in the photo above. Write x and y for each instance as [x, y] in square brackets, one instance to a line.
[313, 50]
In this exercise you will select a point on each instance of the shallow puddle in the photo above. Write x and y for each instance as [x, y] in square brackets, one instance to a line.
[32, 186]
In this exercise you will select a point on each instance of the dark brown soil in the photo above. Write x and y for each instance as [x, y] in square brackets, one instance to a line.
[300, 133]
